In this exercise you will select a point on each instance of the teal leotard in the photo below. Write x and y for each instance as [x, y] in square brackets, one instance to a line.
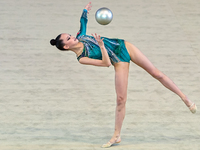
[115, 47]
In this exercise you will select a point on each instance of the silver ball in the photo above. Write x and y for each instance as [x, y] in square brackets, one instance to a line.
[104, 16]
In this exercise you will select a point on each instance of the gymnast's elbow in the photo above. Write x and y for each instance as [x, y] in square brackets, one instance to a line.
[108, 64]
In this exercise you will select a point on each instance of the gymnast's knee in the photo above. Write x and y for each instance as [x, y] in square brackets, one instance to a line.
[157, 74]
[121, 101]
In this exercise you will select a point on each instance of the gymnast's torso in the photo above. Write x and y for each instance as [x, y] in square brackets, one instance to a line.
[115, 47]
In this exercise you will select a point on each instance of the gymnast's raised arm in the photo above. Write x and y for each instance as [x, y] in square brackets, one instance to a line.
[84, 20]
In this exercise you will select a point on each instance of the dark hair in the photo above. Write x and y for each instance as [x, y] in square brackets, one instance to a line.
[58, 43]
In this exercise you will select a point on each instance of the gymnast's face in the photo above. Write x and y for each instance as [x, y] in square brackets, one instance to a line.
[69, 40]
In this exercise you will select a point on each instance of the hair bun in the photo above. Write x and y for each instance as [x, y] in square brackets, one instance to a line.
[53, 42]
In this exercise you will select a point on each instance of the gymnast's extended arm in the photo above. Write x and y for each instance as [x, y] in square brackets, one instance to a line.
[84, 20]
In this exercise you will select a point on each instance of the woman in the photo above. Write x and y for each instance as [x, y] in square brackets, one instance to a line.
[94, 50]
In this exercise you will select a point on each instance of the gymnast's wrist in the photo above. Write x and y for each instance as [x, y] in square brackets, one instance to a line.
[102, 46]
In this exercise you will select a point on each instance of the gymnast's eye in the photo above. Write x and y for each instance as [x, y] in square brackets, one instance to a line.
[69, 38]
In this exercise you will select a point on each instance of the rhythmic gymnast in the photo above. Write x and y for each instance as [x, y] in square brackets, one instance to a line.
[101, 51]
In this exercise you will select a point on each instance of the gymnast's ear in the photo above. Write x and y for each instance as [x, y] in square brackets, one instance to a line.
[66, 47]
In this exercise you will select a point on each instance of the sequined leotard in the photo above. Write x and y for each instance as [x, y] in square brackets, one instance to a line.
[115, 47]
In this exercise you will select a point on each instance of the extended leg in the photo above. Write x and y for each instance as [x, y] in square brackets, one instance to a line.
[138, 58]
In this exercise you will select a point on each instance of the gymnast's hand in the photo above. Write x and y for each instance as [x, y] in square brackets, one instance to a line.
[88, 7]
[99, 40]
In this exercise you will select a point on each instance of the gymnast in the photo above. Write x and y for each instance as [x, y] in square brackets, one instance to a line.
[101, 51]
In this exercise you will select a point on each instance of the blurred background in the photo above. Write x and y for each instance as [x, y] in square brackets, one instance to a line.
[50, 101]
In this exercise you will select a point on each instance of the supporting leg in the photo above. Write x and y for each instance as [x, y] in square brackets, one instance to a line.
[121, 83]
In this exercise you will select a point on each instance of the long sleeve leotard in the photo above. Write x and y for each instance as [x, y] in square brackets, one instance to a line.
[115, 47]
